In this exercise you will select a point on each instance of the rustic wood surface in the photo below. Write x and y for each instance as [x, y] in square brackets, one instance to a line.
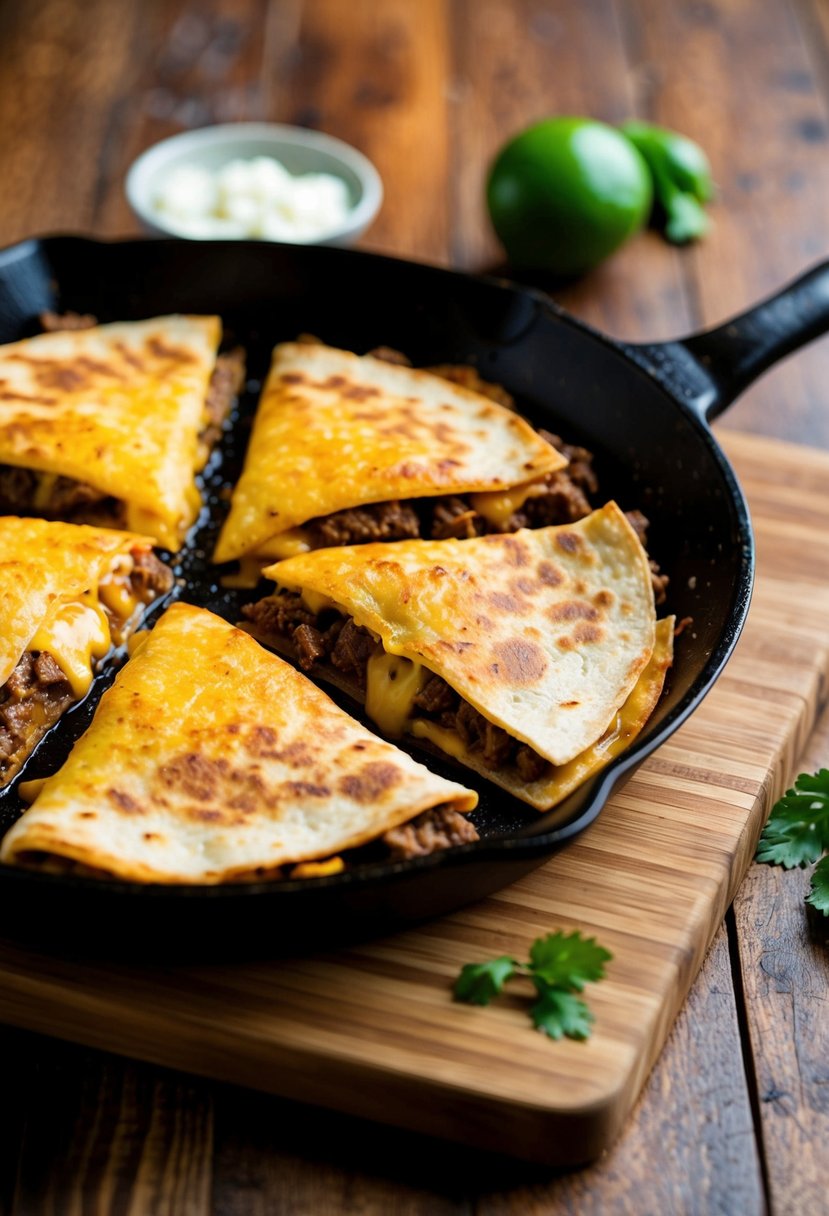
[429, 88]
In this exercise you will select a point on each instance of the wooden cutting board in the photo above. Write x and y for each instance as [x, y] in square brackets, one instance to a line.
[373, 1031]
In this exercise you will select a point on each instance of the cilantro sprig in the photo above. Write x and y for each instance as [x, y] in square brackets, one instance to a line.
[797, 833]
[559, 966]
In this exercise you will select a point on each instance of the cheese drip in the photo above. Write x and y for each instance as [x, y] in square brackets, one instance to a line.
[76, 634]
[284, 544]
[392, 683]
[82, 631]
[498, 506]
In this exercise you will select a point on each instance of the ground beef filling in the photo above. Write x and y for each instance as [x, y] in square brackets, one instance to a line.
[329, 637]
[226, 384]
[562, 497]
[439, 828]
[37, 692]
[32, 699]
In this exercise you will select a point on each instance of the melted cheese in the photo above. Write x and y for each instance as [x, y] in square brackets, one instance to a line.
[498, 506]
[447, 740]
[43, 490]
[318, 869]
[316, 602]
[247, 576]
[392, 683]
[29, 790]
[286, 544]
[117, 595]
[81, 631]
[75, 635]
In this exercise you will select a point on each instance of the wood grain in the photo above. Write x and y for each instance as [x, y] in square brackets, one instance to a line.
[746, 91]
[786, 981]
[672, 1155]
[84, 87]
[516, 64]
[651, 879]
[117, 1137]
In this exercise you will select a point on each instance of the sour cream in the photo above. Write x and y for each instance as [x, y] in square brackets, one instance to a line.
[252, 198]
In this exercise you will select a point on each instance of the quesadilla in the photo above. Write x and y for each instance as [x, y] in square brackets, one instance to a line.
[109, 425]
[68, 594]
[211, 760]
[353, 448]
[515, 654]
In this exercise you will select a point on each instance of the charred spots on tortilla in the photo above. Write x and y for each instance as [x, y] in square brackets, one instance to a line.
[569, 542]
[550, 574]
[503, 601]
[586, 634]
[523, 662]
[123, 801]
[572, 610]
[375, 778]
[305, 789]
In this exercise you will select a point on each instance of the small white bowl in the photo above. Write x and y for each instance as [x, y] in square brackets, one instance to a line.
[299, 150]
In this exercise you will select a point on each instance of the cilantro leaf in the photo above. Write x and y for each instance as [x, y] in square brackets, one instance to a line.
[478, 983]
[818, 897]
[557, 1013]
[569, 961]
[797, 831]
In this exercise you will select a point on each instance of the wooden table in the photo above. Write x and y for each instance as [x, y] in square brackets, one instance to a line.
[734, 1118]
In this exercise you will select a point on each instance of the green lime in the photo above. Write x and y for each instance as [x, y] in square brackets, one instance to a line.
[565, 193]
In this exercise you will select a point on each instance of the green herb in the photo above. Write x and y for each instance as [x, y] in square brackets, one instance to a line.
[478, 983]
[559, 966]
[797, 833]
[818, 897]
[681, 179]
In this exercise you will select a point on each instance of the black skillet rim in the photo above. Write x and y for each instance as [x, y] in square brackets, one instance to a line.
[524, 844]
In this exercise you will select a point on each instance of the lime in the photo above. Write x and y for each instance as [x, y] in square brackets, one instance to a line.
[565, 193]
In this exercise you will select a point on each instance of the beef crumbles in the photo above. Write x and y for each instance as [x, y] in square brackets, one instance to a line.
[310, 645]
[32, 699]
[352, 650]
[454, 518]
[438, 828]
[149, 577]
[226, 383]
[382, 521]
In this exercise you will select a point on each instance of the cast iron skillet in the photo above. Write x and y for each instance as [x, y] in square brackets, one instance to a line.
[644, 410]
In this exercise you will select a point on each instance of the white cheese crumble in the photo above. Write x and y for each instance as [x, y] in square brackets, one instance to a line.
[252, 198]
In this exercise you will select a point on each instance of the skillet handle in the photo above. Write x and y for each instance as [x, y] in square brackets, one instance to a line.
[709, 370]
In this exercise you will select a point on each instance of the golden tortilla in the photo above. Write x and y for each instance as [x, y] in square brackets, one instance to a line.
[335, 430]
[545, 632]
[210, 759]
[118, 407]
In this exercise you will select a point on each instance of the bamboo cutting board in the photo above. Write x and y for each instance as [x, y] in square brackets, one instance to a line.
[373, 1031]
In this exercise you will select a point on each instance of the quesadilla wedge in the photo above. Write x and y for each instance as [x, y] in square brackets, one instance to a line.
[68, 593]
[347, 447]
[515, 654]
[109, 424]
[211, 760]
